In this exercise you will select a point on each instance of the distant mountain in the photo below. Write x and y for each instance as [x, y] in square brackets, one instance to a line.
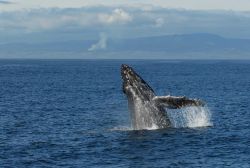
[174, 44]
[181, 43]
[62, 46]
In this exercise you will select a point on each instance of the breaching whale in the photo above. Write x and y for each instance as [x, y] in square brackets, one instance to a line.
[148, 111]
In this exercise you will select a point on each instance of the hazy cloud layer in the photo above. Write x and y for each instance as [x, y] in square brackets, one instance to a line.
[50, 19]
[5, 2]
[121, 22]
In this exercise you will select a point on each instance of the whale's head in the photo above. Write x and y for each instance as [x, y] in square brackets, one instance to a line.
[134, 85]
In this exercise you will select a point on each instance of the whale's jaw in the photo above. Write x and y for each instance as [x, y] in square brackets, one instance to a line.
[144, 111]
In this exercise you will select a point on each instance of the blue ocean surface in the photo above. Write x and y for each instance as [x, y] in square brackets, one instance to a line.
[73, 113]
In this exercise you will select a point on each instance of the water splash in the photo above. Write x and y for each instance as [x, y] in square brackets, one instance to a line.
[190, 117]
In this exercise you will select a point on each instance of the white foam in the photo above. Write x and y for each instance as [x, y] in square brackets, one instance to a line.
[122, 128]
[125, 128]
[154, 127]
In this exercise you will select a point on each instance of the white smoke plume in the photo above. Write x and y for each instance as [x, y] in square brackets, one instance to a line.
[101, 44]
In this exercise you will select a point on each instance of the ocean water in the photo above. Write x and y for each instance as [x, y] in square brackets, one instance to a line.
[72, 113]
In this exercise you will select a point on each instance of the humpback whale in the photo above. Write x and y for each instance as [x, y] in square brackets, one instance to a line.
[147, 110]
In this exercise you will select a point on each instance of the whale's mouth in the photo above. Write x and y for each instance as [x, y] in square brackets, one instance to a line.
[124, 70]
[130, 79]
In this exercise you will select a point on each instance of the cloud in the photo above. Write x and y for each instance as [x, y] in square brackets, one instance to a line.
[101, 44]
[51, 19]
[118, 16]
[120, 22]
[5, 2]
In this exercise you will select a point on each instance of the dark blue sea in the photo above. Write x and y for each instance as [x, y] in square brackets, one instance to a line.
[72, 113]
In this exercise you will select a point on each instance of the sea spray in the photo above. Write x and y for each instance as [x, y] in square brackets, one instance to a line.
[190, 117]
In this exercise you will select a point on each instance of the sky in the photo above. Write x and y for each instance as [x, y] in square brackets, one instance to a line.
[186, 4]
[43, 21]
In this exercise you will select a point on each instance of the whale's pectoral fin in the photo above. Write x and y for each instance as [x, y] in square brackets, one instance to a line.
[174, 102]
